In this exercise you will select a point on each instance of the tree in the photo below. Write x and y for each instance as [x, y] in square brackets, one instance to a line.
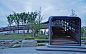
[39, 19]
[28, 21]
[73, 13]
[10, 19]
[82, 31]
[41, 32]
[85, 33]
[32, 19]
[37, 25]
[17, 19]
[22, 18]
[24, 21]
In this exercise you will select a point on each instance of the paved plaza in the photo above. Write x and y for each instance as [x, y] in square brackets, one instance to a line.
[32, 50]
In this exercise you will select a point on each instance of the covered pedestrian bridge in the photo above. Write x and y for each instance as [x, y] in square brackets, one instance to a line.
[64, 30]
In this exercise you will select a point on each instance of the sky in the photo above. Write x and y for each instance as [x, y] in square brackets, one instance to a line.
[48, 8]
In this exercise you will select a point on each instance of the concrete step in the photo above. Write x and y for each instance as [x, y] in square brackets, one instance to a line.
[64, 42]
[62, 35]
[67, 44]
[53, 40]
[59, 35]
[63, 46]
[45, 48]
[62, 38]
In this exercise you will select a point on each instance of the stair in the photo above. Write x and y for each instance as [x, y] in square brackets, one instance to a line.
[77, 49]
[61, 38]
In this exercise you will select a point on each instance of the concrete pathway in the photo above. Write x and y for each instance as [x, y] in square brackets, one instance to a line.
[32, 50]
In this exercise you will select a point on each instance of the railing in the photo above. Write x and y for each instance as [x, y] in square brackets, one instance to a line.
[20, 28]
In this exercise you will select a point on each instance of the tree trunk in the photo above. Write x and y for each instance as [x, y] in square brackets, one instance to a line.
[24, 31]
[33, 34]
[39, 31]
[18, 29]
[27, 31]
[10, 28]
[13, 31]
[37, 35]
[44, 32]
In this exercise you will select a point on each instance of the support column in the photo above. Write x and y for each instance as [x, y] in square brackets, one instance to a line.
[28, 31]
[50, 31]
[44, 31]
[80, 32]
[13, 31]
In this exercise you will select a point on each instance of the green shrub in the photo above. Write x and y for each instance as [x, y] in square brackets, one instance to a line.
[2, 41]
[2, 48]
[85, 43]
[41, 32]
[41, 45]
[15, 46]
[29, 37]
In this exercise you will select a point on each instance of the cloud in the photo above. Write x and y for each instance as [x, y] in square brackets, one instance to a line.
[48, 7]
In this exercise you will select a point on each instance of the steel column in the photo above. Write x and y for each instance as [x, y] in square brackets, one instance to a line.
[80, 31]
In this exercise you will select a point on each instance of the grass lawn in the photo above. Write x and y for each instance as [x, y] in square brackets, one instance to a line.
[14, 36]
[83, 37]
